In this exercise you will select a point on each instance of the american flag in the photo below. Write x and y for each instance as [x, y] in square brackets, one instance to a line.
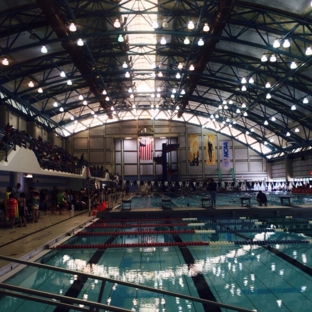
[145, 152]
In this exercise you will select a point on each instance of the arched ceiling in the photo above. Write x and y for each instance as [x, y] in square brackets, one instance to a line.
[141, 70]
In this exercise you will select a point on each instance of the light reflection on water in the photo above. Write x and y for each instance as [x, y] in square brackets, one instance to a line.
[243, 275]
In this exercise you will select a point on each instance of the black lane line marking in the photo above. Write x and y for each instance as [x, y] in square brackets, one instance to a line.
[75, 289]
[199, 280]
[283, 256]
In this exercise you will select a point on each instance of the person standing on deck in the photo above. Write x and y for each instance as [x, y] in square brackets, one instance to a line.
[213, 192]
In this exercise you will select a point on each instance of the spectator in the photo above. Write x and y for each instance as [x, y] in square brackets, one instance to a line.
[16, 191]
[213, 192]
[22, 209]
[35, 206]
[11, 209]
[61, 201]
[43, 200]
[262, 199]
[54, 199]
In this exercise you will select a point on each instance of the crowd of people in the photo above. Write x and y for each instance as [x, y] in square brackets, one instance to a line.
[49, 156]
[17, 208]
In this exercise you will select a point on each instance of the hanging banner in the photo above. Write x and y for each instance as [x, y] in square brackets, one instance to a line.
[210, 143]
[226, 154]
[194, 150]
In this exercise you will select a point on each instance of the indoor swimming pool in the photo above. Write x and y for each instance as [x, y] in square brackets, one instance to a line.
[250, 264]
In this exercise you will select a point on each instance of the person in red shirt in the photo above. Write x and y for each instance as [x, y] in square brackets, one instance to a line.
[11, 209]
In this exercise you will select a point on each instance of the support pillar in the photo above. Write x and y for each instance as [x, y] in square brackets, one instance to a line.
[288, 169]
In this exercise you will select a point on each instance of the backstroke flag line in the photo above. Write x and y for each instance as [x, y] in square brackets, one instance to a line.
[145, 149]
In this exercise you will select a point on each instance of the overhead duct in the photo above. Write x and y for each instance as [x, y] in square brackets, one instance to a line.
[222, 14]
[55, 20]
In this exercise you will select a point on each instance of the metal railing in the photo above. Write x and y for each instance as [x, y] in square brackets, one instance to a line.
[16, 291]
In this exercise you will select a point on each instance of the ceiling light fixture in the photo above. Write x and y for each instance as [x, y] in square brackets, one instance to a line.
[165, 23]
[268, 85]
[276, 44]
[244, 88]
[30, 84]
[186, 40]
[69, 82]
[268, 96]
[85, 102]
[163, 41]
[62, 74]
[293, 107]
[80, 42]
[120, 38]
[117, 23]
[200, 42]
[191, 68]
[206, 27]
[124, 65]
[72, 27]
[308, 51]
[288, 134]
[190, 25]
[80, 97]
[44, 49]
[243, 81]
[264, 58]
[286, 43]
[55, 104]
[293, 65]
[273, 58]
[5, 62]
[61, 109]
[127, 75]
[266, 122]
[251, 80]
[107, 99]
[180, 66]
[155, 25]
[297, 130]
[40, 90]
[305, 101]
[178, 76]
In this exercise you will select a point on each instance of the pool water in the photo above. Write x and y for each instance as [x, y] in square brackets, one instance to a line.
[223, 199]
[261, 265]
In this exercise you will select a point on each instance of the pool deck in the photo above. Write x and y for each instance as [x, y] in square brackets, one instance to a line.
[23, 242]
